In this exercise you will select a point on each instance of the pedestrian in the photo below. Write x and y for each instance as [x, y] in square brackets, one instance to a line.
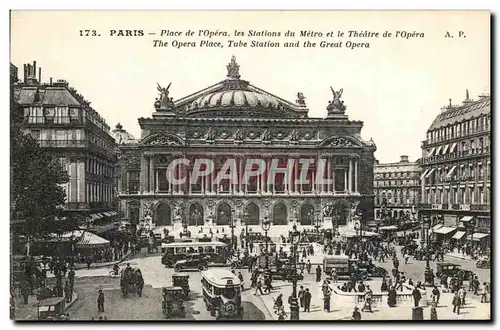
[240, 276]
[309, 266]
[71, 278]
[326, 299]
[25, 292]
[462, 293]
[456, 303]
[88, 261]
[100, 301]
[435, 295]
[391, 297]
[307, 301]
[356, 315]
[434, 315]
[12, 307]
[301, 296]
[383, 286]
[258, 286]
[368, 300]
[67, 292]
[361, 287]
[416, 296]
[334, 275]
[482, 291]
[318, 274]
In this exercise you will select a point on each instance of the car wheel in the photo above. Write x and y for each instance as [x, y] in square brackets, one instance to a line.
[202, 267]
[234, 265]
[177, 268]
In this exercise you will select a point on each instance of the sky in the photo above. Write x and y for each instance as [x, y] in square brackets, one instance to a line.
[396, 87]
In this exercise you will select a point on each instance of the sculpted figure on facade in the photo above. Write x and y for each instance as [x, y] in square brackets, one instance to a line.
[210, 134]
[294, 136]
[163, 141]
[164, 102]
[148, 209]
[342, 142]
[336, 104]
[238, 135]
[301, 99]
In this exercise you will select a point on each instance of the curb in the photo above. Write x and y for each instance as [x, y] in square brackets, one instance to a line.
[74, 298]
[457, 257]
[104, 265]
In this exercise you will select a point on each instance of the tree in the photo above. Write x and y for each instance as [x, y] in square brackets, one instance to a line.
[37, 199]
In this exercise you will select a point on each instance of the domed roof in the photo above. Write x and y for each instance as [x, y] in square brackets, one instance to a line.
[235, 97]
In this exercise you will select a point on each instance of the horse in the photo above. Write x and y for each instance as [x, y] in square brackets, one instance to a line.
[131, 279]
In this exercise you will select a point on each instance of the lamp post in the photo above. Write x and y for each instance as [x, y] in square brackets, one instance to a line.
[317, 225]
[246, 229]
[357, 227]
[232, 231]
[294, 304]
[428, 275]
[266, 225]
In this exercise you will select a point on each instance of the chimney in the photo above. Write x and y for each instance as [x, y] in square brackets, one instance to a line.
[404, 159]
[25, 73]
[51, 80]
[40, 75]
[377, 162]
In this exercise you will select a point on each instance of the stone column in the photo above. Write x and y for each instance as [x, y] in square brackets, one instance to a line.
[157, 181]
[345, 180]
[332, 169]
[151, 174]
[350, 173]
[143, 176]
[356, 164]
[127, 183]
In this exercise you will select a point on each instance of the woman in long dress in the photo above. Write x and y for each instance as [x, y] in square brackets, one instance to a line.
[391, 297]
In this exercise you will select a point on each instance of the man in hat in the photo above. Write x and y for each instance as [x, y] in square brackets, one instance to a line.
[100, 301]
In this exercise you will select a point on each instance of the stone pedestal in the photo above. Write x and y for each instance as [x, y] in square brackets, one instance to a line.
[327, 223]
[417, 314]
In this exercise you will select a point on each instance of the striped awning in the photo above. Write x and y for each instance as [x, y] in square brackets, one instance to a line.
[458, 235]
[445, 149]
[453, 147]
[430, 172]
[450, 172]
[89, 239]
[438, 150]
[424, 174]
[431, 152]
[388, 228]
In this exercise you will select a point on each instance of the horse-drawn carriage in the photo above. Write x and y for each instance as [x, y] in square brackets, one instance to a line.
[131, 280]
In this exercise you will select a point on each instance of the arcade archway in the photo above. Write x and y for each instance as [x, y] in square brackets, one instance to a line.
[196, 214]
[279, 214]
[224, 215]
[306, 214]
[253, 212]
[163, 215]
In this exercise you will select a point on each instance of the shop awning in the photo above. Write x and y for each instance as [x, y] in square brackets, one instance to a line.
[453, 147]
[430, 172]
[450, 172]
[431, 152]
[445, 149]
[467, 218]
[444, 230]
[438, 150]
[96, 216]
[479, 236]
[113, 213]
[89, 239]
[388, 228]
[436, 227]
[459, 235]
[424, 174]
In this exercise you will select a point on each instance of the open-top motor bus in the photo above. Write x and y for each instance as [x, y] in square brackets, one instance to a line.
[216, 251]
[222, 293]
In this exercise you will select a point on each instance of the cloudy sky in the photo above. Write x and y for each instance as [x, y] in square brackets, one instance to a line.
[396, 87]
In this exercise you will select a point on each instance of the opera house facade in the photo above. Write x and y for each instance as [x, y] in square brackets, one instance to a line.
[235, 154]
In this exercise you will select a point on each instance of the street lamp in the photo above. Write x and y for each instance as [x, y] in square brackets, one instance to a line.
[247, 216]
[428, 275]
[266, 225]
[232, 230]
[294, 304]
[357, 227]
[317, 225]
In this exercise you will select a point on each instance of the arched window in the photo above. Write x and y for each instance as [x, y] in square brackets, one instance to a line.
[196, 213]
[279, 214]
[163, 215]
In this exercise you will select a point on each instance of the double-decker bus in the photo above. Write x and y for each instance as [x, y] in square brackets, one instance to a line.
[222, 293]
[217, 251]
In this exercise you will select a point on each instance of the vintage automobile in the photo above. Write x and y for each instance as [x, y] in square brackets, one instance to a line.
[286, 272]
[373, 270]
[345, 267]
[181, 280]
[52, 309]
[168, 239]
[453, 270]
[483, 262]
[192, 261]
[238, 263]
[173, 302]
[222, 293]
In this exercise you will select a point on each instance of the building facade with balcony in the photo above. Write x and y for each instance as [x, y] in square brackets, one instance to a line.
[397, 191]
[65, 124]
[233, 122]
[456, 172]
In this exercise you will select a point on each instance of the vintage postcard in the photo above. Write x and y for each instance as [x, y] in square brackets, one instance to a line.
[250, 165]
